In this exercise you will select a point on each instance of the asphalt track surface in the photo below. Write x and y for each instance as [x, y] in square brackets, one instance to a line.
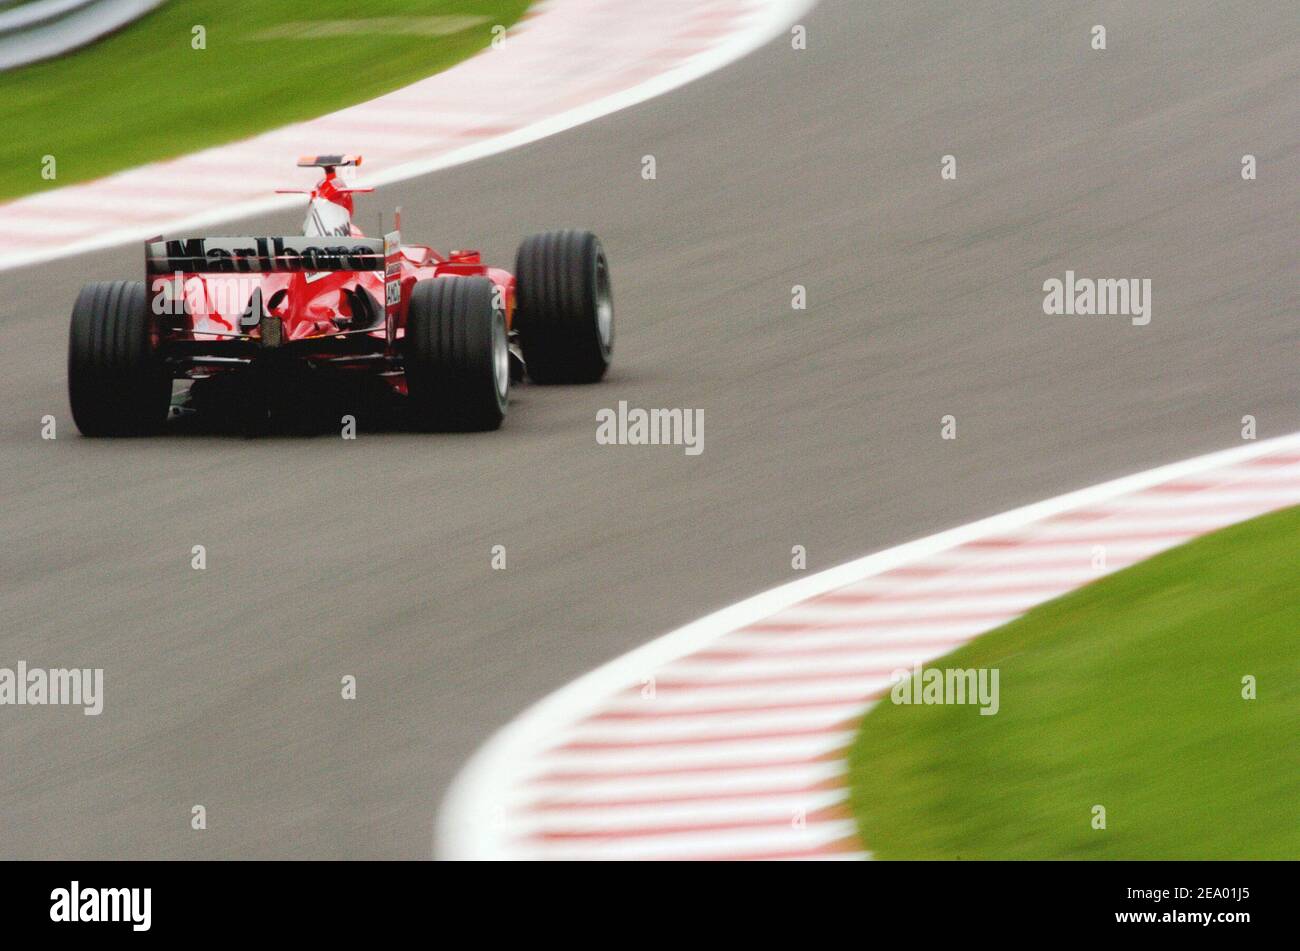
[819, 168]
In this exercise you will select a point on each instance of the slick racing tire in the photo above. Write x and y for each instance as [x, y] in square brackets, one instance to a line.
[457, 355]
[118, 384]
[565, 310]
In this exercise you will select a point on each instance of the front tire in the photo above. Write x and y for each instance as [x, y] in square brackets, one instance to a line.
[565, 314]
[457, 355]
[118, 384]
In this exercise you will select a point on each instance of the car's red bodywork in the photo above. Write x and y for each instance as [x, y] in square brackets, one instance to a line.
[251, 325]
[319, 316]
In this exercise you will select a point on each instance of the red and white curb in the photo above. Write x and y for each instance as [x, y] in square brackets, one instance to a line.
[568, 62]
[726, 739]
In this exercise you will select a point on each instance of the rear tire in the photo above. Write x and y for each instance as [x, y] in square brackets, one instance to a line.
[457, 355]
[118, 384]
[565, 310]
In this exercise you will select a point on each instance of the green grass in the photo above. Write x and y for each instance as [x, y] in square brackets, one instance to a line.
[145, 94]
[1126, 693]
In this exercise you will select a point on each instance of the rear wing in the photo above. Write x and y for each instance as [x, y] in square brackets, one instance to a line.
[269, 254]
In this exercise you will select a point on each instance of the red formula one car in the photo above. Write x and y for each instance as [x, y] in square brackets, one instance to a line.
[447, 333]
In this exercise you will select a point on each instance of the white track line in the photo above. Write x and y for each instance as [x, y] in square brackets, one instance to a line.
[567, 63]
[739, 751]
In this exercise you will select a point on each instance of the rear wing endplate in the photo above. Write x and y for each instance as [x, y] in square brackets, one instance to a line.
[392, 282]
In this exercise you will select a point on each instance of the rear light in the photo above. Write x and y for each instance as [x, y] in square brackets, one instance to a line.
[272, 331]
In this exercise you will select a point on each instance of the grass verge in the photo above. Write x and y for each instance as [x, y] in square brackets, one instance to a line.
[1126, 694]
[144, 93]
